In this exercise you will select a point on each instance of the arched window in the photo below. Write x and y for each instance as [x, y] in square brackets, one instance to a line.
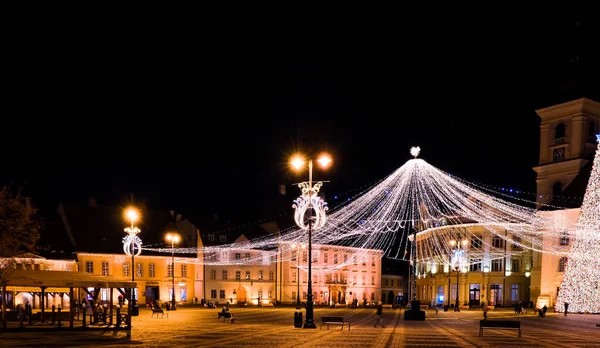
[557, 189]
[562, 264]
[559, 132]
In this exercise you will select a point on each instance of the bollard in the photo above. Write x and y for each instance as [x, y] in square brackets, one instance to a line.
[53, 313]
[59, 322]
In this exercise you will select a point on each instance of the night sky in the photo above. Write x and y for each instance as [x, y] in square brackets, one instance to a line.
[204, 122]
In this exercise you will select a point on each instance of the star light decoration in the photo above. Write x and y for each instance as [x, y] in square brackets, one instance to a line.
[580, 287]
[414, 151]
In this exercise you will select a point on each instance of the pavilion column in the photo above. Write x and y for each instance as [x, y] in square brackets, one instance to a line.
[71, 308]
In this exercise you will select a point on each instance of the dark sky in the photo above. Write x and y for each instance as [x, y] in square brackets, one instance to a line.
[203, 119]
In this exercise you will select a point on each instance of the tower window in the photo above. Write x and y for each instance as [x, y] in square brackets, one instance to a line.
[560, 131]
[557, 189]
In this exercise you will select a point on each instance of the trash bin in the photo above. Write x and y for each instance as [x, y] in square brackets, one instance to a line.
[298, 319]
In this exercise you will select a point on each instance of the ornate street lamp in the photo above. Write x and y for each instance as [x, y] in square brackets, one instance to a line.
[132, 246]
[458, 261]
[173, 238]
[309, 202]
[297, 247]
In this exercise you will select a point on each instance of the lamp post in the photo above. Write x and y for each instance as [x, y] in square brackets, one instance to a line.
[458, 261]
[173, 238]
[309, 202]
[132, 246]
[297, 247]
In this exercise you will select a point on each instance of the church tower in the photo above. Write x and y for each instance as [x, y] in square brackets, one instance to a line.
[567, 144]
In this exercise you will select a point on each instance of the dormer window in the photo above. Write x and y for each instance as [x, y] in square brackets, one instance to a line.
[222, 239]
[211, 237]
[560, 131]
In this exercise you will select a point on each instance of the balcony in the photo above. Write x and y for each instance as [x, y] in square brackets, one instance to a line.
[335, 282]
[560, 141]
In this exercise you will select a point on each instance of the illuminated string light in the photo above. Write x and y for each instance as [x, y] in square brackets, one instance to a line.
[580, 286]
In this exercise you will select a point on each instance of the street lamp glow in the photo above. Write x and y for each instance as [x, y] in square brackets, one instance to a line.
[324, 160]
[297, 162]
[172, 237]
[132, 214]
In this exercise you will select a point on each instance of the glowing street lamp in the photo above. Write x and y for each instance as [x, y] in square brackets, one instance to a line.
[297, 247]
[458, 261]
[173, 238]
[132, 246]
[309, 202]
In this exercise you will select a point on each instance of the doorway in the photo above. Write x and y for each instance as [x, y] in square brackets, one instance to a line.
[152, 294]
[241, 295]
[474, 293]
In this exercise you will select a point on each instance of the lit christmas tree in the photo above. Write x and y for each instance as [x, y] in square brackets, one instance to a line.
[580, 287]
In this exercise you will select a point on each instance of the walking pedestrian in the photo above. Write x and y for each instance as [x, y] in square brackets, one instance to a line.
[379, 315]
[566, 308]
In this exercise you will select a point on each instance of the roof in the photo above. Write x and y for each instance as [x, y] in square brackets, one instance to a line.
[63, 279]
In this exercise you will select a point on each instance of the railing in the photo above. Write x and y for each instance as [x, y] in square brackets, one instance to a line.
[560, 141]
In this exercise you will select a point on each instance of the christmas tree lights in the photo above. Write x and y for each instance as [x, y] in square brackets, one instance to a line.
[580, 286]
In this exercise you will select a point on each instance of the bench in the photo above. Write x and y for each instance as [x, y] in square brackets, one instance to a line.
[499, 325]
[226, 315]
[270, 304]
[334, 321]
[157, 311]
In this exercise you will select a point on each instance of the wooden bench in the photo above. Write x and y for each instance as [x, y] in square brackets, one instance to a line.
[334, 321]
[157, 311]
[500, 325]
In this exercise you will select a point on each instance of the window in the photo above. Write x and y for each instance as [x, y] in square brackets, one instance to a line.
[475, 243]
[372, 296]
[183, 294]
[304, 256]
[515, 265]
[126, 270]
[304, 278]
[514, 292]
[304, 295]
[139, 270]
[222, 239]
[497, 265]
[259, 293]
[247, 275]
[213, 293]
[271, 277]
[247, 256]
[293, 276]
[497, 242]
[238, 275]
[213, 274]
[293, 295]
[238, 256]
[260, 275]
[170, 270]
[221, 293]
[270, 293]
[386, 282]
[564, 238]
[224, 274]
[558, 155]
[335, 259]
[151, 270]
[104, 294]
[372, 280]
[326, 257]
[184, 271]
[373, 262]
[562, 264]
[475, 265]
[294, 255]
[211, 237]
[345, 258]
[560, 131]
[89, 266]
[364, 279]
[516, 243]
[104, 268]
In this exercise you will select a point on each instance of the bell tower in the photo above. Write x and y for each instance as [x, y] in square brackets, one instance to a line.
[567, 144]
